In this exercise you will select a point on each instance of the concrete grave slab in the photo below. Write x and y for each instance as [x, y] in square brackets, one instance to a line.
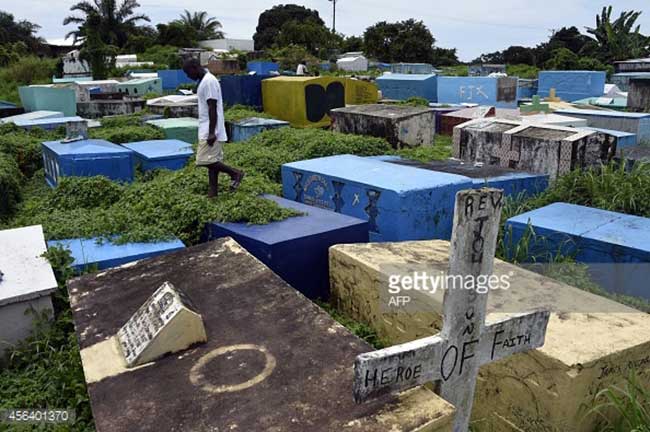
[399, 202]
[453, 119]
[245, 129]
[27, 282]
[401, 126]
[404, 86]
[591, 342]
[169, 154]
[30, 116]
[92, 252]
[97, 108]
[572, 85]
[183, 128]
[86, 158]
[636, 123]
[249, 375]
[296, 248]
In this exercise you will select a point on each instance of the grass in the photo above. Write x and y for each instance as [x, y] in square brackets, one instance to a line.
[623, 408]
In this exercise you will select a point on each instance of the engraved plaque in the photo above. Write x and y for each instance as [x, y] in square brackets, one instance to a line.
[166, 322]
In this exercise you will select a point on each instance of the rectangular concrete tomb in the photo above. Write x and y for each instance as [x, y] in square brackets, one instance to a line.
[551, 150]
[405, 86]
[141, 86]
[636, 123]
[512, 182]
[86, 158]
[54, 97]
[572, 85]
[26, 281]
[34, 115]
[296, 248]
[103, 254]
[450, 120]
[616, 246]
[498, 92]
[46, 123]
[401, 126]
[245, 129]
[183, 128]
[171, 154]
[272, 360]
[591, 342]
[622, 139]
[399, 202]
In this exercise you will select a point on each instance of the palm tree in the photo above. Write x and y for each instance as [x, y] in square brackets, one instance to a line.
[620, 39]
[112, 21]
[206, 27]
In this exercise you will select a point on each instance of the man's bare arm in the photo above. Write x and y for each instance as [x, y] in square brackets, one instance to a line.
[212, 127]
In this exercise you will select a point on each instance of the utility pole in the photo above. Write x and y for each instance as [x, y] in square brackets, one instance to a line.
[333, 14]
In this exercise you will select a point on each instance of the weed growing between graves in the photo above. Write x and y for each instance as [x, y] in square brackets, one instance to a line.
[415, 101]
[629, 404]
[25, 146]
[240, 112]
[441, 150]
[125, 134]
[360, 330]
[10, 188]
[45, 369]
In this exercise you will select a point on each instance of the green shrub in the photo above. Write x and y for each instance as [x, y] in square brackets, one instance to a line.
[522, 71]
[84, 192]
[120, 121]
[10, 180]
[415, 101]
[125, 134]
[25, 147]
[240, 112]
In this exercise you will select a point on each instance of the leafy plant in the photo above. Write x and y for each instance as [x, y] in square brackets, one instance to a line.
[10, 191]
[360, 330]
[126, 134]
[240, 112]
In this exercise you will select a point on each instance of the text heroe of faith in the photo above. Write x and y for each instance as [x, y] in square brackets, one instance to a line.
[466, 342]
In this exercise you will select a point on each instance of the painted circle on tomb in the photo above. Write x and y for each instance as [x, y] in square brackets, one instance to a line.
[199, 379]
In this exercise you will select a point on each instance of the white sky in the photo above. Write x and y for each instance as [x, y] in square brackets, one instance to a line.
[472, 26]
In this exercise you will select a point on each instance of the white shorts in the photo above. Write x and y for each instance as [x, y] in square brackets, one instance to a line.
[207, 155]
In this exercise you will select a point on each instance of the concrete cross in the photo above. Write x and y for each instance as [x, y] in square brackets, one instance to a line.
[466, 342]
[535, 107]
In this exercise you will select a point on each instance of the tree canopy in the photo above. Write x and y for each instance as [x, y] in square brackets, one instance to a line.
[404, 41]
[283, 22]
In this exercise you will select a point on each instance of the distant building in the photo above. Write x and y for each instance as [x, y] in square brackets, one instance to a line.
[246, 45]
[130, 60]
[353, 64]
[486, 69]
[73, 66]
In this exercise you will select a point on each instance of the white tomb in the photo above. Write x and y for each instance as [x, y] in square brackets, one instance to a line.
[353, 64]
[27, 282]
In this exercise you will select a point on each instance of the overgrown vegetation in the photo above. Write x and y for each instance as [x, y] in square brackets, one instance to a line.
[25, 71]
[45, 369]
[360, 330]
[240, 112]
[127, 133]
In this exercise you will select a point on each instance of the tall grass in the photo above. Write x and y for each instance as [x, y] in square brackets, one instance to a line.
[26, 71]
[623, 408]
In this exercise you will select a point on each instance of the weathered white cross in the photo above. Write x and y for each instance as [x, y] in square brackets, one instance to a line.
[454, 356]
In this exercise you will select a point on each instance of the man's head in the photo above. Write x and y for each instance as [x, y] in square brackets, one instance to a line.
[193, 69]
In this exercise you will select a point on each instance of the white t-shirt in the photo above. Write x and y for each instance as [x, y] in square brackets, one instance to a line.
[301, 70]
[209, 88]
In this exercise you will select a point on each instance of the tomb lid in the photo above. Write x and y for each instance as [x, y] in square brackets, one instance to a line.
[583, 328]
[161, 149]
[616, 133]
[258, 121]
[545, 132]
[471, 170]
[27, 275]
[405, 77]
[175, 122]
[627, 231]
[314, 221]
[92, 250]
[491, 125]
[33, 115]
[384, 110]
[602, 113]
[377, 173]
[46, 121]
[567, 218]
[86, 147]
[272, 361]
[473, 112]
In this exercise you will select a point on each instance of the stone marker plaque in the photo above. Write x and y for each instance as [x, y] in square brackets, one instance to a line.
[167, 322]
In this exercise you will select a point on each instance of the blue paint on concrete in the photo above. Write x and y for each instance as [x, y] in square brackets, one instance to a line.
[572, 85]
[404, 86]
[399, 202]
[247, 128]
[296, 248]
[242, 89]
[173, 78]
[615, 246]
[412, 68]
[623, 139]
[474, 90]
[160, 154]
[46, 123]
[636, 123]
[88, 253]
[262, 67]
[86, 158]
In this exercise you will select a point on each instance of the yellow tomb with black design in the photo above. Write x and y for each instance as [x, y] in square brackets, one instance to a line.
[307, 101]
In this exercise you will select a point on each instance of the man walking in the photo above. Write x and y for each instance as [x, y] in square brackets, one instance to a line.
[212, 128]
